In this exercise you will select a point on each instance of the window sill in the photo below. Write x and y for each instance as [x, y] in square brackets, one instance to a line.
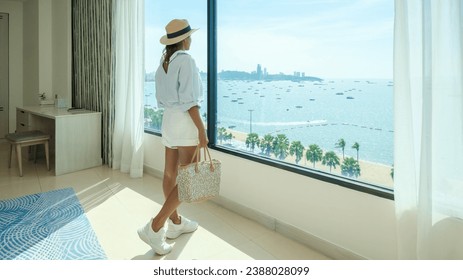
[319, 175]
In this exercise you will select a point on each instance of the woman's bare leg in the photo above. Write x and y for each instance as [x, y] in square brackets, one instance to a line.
[185, 155]
[170, 177]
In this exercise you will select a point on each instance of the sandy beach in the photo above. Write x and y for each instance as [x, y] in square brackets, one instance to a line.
[370, 172]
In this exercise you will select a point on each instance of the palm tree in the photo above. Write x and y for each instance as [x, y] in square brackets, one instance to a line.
[221, 134]
[205, 117]
[252, 140]
[350, 167]
[266, 144]
[228, 136]
[155, 117]
[280, 146]
[341, 144]
[298, 149]
[314, 154]
[330, 159]
[357, 147]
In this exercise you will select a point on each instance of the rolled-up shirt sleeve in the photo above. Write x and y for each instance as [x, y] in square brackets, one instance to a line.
[189, 85]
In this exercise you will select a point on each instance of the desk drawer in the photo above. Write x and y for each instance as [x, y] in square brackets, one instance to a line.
[22, 120]
[22, 127]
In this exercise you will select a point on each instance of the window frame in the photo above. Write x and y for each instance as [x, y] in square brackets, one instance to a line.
[212, 125]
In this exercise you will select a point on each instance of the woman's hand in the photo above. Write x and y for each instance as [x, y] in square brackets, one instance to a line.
[202, 135]
[203, 140]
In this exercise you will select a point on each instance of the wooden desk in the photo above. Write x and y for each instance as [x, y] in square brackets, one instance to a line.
[75, 142]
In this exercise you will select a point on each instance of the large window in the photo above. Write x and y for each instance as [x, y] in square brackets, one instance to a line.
[308, 83]
[305, 85]
[157, 15]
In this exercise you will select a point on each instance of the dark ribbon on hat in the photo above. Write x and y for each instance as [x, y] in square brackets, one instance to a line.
[179, 33]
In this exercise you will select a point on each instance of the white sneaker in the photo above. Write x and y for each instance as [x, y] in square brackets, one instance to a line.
[157, 240]
[185, 226]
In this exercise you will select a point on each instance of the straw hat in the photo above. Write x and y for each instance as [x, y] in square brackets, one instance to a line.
[176, 31]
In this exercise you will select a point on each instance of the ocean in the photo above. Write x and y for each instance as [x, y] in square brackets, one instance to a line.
[321, 113]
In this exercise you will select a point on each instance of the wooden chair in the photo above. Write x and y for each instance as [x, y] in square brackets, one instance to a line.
[25, 139]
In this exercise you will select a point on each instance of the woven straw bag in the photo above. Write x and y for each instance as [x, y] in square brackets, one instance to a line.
[200, 180]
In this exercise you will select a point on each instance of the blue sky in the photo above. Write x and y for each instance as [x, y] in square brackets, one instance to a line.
[324, 38]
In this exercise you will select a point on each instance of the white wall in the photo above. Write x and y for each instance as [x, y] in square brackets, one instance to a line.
[40, 51]
[62, 50]
[45, 50]
[15, 11]
[31, 53]
[354, 221]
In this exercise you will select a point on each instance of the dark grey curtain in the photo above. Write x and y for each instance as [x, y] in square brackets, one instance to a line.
[92, 64]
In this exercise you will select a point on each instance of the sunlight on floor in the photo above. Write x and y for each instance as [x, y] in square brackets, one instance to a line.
[116, 206]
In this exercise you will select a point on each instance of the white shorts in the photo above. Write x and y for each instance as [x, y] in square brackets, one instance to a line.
[178, 129]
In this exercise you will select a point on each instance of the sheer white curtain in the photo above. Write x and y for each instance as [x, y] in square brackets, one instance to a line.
[128, 32]
[428, 101]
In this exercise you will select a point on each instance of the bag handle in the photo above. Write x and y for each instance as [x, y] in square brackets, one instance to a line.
[197, 155]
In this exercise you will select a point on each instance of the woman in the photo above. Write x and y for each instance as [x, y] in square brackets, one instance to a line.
[179, 92]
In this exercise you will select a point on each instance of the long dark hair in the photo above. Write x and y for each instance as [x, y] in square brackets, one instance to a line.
[168, 52]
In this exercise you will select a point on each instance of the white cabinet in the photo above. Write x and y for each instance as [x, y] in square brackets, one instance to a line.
[75, 142]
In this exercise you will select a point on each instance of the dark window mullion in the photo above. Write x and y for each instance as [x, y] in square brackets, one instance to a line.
[212, 72]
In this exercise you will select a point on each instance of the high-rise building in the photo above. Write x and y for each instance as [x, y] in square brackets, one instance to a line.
[259, 72]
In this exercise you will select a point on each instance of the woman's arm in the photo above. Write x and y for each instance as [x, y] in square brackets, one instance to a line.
[195, 116]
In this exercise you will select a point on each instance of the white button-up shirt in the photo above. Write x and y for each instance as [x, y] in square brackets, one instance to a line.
[180, 88]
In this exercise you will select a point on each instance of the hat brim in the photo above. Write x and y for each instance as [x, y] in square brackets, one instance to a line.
[166, 41]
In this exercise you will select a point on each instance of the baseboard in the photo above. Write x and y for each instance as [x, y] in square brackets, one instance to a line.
[318, 244]
[325, 247]
[152, 171]
[256, 216]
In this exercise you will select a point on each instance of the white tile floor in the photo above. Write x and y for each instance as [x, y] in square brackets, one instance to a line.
[117, 205]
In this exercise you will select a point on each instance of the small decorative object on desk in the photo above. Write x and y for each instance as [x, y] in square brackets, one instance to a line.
[60, 102]
[200, 180]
